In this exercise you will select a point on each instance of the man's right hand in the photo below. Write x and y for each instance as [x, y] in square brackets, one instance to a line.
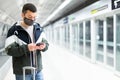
[32, 47]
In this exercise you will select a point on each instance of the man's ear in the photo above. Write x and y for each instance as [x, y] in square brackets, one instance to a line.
[22, 15]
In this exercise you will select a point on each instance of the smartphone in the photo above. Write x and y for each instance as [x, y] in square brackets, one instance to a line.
[38, 44]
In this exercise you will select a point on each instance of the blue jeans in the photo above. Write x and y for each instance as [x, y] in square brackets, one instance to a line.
[38, 76]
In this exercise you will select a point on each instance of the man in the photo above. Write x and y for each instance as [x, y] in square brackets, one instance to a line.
[25, 41]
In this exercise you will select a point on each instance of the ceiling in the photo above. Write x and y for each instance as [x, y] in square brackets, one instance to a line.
[12, 13]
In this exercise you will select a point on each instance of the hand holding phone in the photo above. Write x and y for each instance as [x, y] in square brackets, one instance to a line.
[40, 46]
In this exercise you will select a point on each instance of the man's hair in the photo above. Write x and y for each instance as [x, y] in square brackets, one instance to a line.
[29, 6]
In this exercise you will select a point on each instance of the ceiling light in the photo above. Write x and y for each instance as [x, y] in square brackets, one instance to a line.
[41, 2]
[64, 4]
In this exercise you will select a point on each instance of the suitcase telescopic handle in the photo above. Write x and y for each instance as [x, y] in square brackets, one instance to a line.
[29, 68]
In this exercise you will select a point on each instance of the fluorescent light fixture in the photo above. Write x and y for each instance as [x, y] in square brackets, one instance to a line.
[64, 4]
[41, 2]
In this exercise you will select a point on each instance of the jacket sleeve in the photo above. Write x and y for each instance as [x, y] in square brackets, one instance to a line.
[16, 50]
[47, 44]
[44, 40]
[12, 47]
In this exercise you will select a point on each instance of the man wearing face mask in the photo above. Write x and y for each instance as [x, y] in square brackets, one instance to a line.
[25, 41]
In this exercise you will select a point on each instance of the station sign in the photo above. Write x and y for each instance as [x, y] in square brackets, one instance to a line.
[99, 9]
[115, 4]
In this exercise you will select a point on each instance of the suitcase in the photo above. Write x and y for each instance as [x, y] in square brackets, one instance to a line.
[33, 69]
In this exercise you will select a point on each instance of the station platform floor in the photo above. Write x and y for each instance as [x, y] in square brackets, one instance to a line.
[60, 64]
